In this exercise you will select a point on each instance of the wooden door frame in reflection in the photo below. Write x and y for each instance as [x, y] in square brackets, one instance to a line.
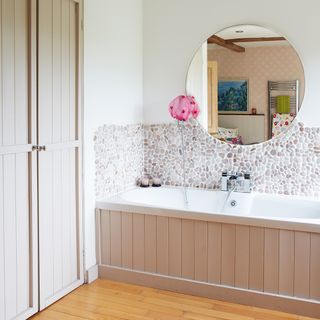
[212, 97]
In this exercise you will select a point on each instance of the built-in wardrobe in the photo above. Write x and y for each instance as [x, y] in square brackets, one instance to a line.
[41, 255]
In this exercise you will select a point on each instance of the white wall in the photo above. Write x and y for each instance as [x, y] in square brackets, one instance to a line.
[113, 83]
[175, 29]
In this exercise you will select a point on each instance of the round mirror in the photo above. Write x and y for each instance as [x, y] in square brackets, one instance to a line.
[249, 82]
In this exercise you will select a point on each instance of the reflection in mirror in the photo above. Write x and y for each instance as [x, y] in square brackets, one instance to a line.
[249, 83]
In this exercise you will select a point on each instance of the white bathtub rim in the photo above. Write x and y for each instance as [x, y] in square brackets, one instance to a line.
[306, 225]
[255, 193]
[118, 198]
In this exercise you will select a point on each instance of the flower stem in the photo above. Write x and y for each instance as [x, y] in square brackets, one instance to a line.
[183, 153]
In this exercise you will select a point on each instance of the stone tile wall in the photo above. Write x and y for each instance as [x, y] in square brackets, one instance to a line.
[288, 164]
[119, 158]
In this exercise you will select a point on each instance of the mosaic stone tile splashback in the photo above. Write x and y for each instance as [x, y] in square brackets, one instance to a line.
[119, 158]
[288, 164]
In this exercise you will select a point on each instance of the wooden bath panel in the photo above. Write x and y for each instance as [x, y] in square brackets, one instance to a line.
[263, 260]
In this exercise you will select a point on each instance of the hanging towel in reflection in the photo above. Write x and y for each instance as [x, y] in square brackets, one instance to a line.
[283, 104]
[281, 122]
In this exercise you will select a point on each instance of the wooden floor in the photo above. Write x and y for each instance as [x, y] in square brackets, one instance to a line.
[107, 300]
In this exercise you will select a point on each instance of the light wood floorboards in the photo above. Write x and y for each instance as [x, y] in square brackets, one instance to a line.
[108, 300]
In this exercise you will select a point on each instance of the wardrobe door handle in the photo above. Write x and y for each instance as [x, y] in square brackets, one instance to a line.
[39, 148]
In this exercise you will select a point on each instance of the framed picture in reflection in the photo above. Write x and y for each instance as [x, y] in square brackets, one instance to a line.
[233, 96]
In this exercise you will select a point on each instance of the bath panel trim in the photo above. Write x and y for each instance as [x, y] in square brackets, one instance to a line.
[212, 291]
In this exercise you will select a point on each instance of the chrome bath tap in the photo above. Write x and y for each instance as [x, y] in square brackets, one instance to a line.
[235, 181]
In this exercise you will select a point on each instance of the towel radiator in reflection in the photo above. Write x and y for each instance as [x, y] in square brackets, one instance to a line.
[280, 88]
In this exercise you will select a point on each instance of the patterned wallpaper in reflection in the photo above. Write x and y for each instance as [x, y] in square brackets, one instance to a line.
[259, 65]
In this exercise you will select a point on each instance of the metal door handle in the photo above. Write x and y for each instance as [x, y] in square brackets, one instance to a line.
[38, 148]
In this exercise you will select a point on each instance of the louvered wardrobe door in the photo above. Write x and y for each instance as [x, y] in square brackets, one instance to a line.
[18, 172]
[60, 246]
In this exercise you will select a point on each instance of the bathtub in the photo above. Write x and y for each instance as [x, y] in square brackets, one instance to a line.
[253, 208]
[255, 249]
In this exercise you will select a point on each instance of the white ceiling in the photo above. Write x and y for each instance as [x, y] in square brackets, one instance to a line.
[249, 31]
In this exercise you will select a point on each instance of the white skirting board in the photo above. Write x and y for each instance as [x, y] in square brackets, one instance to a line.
[92, 274]
[218, 292]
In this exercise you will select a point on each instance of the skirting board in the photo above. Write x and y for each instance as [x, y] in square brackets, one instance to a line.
[92, 274]
[302, 307]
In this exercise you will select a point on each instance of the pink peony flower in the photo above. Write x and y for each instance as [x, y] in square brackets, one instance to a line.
[183, 107]
[195, 110]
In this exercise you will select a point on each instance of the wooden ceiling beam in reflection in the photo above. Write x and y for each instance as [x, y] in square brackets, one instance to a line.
[228, 45]
[259, 39]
